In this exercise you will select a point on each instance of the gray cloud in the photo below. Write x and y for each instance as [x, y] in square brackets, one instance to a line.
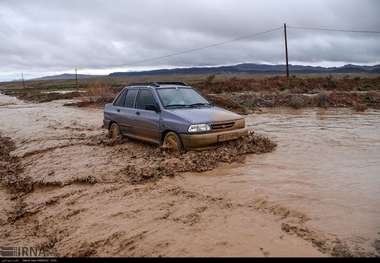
[39, 37]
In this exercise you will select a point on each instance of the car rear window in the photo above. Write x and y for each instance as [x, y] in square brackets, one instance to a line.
[120, 100]
[144, 98]
[130, 98]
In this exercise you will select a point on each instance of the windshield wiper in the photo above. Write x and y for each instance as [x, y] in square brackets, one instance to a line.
[177, 105]
[199, 104]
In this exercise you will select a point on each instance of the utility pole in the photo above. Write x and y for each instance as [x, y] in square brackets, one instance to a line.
[286, 51]
[22, 78]
[76, 78]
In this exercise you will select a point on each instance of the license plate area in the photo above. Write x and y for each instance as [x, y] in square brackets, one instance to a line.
[227, 137]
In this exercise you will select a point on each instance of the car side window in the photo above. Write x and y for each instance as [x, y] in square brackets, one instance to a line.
[120, 100]
[144, 98]
[130, 98]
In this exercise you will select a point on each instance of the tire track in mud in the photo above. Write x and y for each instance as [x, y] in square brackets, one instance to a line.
[80, 140]
[292, 222]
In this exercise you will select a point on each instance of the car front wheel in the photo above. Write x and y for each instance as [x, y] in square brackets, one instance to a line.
[172, 142]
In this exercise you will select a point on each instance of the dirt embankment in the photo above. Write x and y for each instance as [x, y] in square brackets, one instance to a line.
[244, 95]
[360, 101]
[250, 94]
[41, 96]
[96, 93]
[298, 85]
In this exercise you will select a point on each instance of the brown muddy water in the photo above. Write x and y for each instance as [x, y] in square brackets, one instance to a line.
[327, 165]
[317, 193]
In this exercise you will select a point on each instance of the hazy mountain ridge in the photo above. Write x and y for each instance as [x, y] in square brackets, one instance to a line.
[253, 69]
[250, 68]
[68, 76]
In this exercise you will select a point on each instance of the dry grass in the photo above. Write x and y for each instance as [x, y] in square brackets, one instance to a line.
[239, 92]
[100, 89]
[100, 92]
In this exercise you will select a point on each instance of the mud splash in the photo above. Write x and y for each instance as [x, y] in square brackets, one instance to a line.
[165, 163]
[147, 163]
[141, 163]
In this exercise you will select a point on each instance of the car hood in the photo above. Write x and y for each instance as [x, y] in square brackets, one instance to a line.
[206, 115]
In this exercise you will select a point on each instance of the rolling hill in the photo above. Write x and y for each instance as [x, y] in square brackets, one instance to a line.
[249, 68]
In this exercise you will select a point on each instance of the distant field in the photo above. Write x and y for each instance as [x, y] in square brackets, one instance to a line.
[117, 82]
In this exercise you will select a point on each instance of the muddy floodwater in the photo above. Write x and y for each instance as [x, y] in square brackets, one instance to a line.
[316, 194]
[327, 164]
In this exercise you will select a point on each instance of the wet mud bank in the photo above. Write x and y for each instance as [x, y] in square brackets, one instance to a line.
[41, 97]
[359, 101]
[10, 167]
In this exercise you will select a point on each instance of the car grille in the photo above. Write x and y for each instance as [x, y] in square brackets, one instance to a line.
[222, 126]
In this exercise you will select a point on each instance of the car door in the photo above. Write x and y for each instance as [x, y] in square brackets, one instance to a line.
[147, 121]
[117, 110]
[128, 112]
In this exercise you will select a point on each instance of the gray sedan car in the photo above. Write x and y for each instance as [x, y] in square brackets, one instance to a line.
[171, 114]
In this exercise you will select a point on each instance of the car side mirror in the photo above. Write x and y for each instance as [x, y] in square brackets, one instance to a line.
[152, 108]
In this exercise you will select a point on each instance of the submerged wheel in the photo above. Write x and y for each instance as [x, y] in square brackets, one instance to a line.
[114, 132]
[173, 142]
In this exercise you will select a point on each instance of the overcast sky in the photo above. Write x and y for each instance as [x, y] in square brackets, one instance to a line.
[49, 37]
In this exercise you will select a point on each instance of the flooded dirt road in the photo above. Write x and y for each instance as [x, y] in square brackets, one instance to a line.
[326, 165]
[317, 194]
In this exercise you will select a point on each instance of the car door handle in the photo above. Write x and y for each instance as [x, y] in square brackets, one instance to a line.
[137, 113]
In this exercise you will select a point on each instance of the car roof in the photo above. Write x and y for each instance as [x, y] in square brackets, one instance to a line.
[158, 85]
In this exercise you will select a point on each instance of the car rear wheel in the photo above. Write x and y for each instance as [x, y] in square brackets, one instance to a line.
[172, 142]
[114, 132]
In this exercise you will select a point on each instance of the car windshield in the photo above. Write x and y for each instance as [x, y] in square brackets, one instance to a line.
[181, 97]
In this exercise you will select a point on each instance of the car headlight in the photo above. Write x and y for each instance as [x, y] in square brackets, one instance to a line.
[199, 128]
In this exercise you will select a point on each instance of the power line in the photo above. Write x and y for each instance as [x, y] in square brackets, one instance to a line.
[245, 37]
[205, 47]
[334, 30]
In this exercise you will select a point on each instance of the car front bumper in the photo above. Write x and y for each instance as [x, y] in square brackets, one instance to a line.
[207, 139]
